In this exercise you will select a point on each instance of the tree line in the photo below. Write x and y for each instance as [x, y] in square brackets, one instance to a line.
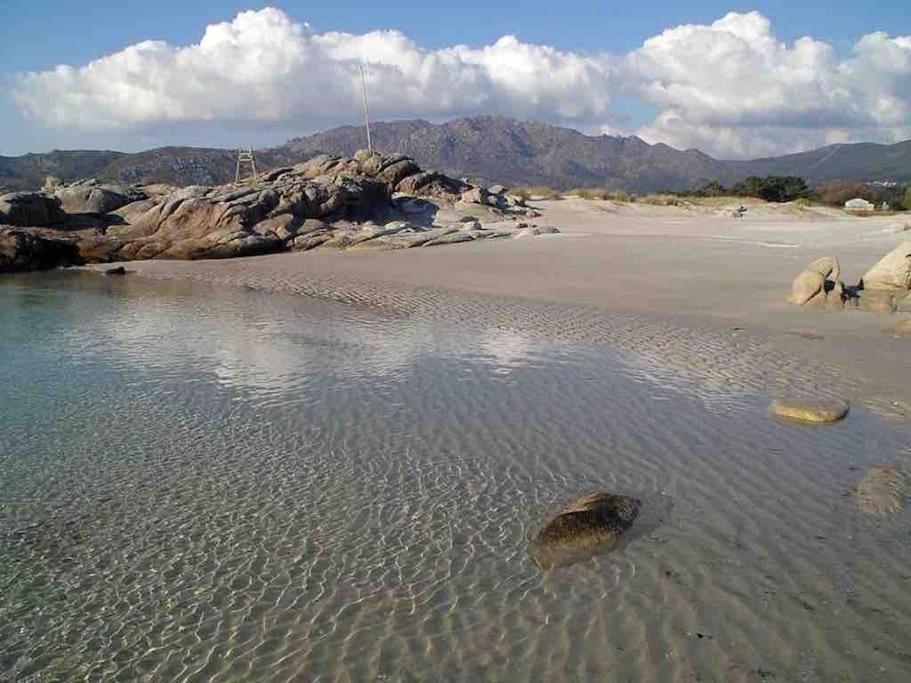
[775, 188]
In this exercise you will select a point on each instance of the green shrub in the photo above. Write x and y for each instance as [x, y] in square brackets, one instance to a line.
[712, 189]
[772, 188]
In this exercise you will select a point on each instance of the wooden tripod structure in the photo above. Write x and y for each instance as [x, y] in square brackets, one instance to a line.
[245, 157]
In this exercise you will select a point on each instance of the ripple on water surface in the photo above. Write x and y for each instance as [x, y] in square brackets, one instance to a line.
[199, 484]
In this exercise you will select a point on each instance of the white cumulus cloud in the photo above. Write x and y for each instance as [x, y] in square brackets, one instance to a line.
[264, 67]
[731, 87]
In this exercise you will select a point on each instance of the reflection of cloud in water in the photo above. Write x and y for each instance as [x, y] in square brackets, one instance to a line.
[251, 342]
[507, 348]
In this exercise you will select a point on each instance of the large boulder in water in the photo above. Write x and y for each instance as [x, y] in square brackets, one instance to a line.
[30, 209]
[22, 250]
[892, 271]
[816, 282]
[587, 524]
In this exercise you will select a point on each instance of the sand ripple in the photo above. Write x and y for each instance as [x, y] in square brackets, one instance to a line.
[251, 487]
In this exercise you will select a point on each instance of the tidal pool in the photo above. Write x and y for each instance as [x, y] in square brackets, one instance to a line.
[205, 484]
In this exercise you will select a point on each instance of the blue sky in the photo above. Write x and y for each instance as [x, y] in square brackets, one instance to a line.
[37, 35]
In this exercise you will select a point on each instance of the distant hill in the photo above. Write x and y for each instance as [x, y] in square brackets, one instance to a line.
[489, 148]
[513, 152]
[174, 165]
[865, 161]
[30, 170]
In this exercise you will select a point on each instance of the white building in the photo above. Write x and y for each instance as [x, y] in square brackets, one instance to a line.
[859, 205]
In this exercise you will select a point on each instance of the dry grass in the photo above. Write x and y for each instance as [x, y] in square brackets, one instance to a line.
[535, 191]
[601, 193]
[661, 200]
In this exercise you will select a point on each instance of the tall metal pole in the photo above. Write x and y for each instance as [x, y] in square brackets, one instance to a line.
[366, 107]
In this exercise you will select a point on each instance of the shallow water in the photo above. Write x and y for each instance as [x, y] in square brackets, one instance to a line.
[199, 484]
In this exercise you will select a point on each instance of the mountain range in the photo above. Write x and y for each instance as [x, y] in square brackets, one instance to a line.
[483, 148]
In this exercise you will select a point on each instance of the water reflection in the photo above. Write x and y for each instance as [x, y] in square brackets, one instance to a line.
[272, 344]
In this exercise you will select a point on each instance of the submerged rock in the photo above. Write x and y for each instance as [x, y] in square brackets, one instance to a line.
[882, 490]
[586, 524]
[818, 411]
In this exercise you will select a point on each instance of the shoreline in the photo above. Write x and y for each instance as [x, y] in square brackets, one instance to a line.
[689, 286]
[536, 287]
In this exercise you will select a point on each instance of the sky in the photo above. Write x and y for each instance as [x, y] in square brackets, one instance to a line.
[733, 80]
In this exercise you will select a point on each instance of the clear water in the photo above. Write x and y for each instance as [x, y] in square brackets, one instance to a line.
[224, 485]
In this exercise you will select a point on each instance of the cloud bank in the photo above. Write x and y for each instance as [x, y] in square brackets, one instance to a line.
[730, 88]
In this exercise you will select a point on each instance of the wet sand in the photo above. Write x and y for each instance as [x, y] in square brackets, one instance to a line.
[700, 292]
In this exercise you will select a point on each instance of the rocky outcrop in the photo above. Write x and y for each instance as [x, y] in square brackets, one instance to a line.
[28, 209]
[325, 203]
[586, 524]
[90, 197]
[892, 272]
[221, 222]
[22, 250]
[397, 172]
[816, 411]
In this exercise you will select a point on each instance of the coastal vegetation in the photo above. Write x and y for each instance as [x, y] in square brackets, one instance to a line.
[792, 188]
[776, 189]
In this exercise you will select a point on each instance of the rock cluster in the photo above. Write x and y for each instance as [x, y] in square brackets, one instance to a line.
[369, 201]
[884, 288]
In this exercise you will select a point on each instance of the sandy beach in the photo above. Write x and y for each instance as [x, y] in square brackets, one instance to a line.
[345, 469]
[697, 291]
